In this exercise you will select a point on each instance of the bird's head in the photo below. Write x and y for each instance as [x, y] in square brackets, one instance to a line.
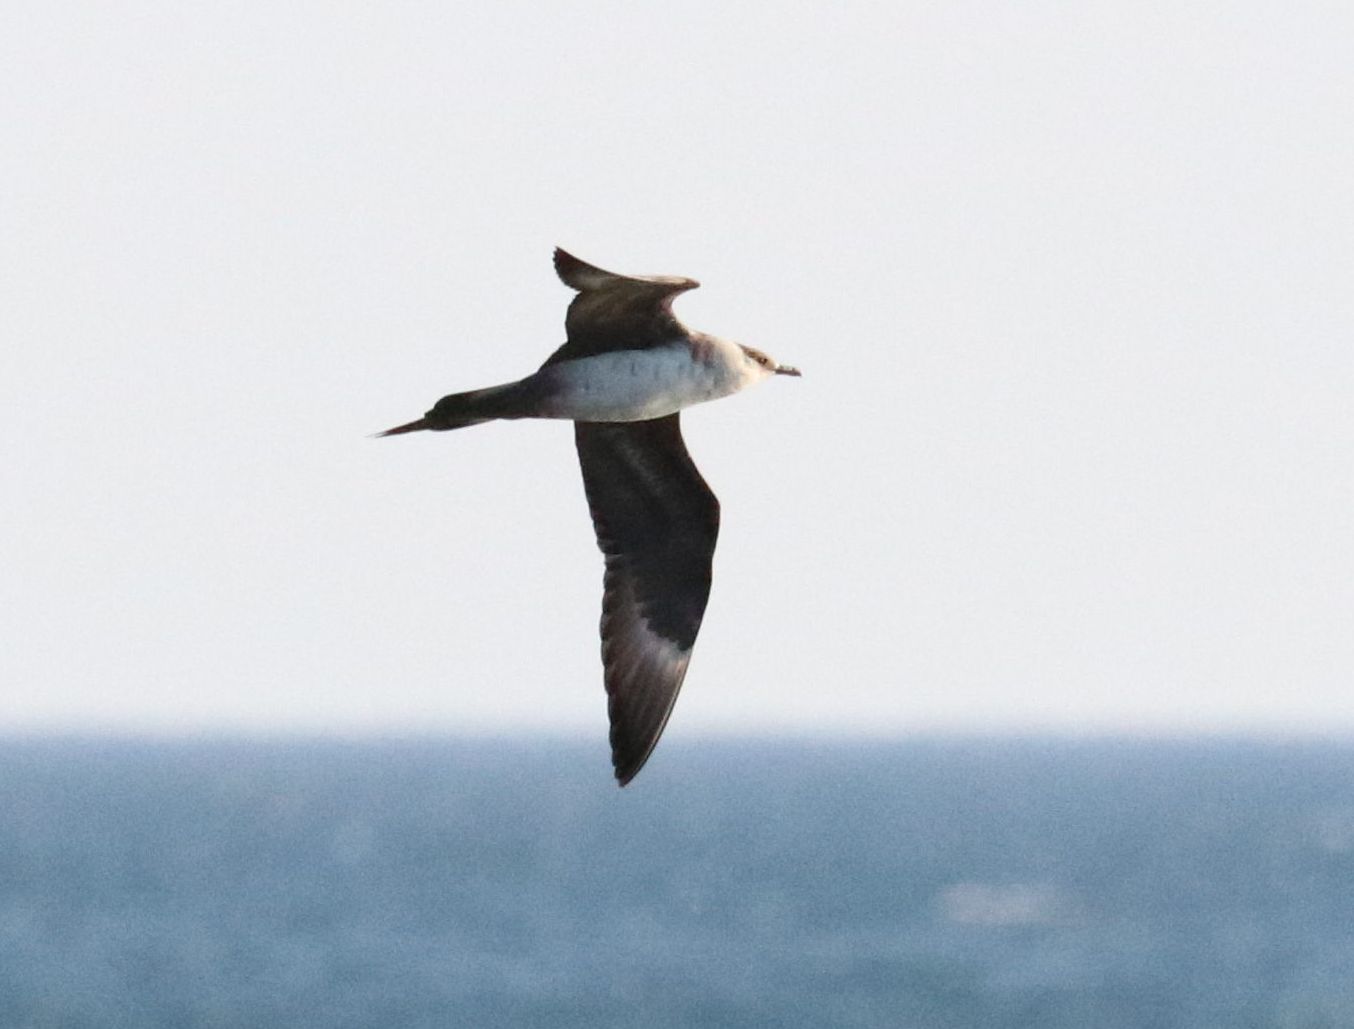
[763, 364]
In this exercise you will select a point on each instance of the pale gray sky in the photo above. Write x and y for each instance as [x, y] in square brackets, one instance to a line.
[1071, 286]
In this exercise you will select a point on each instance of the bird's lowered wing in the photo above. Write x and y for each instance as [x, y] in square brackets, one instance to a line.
[657, 522]
[616, 312]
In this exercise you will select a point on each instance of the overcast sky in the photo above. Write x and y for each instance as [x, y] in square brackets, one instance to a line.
[1072, 287]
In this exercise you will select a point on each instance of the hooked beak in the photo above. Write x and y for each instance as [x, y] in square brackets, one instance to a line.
[785, 369]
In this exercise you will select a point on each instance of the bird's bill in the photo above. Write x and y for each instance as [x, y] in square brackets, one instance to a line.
[785, 369]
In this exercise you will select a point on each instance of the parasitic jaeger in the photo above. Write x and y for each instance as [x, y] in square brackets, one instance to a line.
[626, 369]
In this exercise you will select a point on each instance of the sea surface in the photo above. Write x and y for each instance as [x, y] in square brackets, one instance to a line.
[927, 883]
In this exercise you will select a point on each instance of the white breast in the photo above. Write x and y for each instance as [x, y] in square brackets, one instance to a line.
[634, 385]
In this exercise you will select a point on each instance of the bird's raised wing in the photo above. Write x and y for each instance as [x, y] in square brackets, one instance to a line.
[657, 522]
[616, 312]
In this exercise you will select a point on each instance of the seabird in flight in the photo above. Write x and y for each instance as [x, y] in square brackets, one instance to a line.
[627, 368]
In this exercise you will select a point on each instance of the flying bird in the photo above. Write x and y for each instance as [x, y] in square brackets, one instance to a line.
[626, 369]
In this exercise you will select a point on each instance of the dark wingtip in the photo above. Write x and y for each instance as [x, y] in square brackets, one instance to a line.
[627, 762]
[417, 426]
[576, 273]
[626, 759]
[566, 264]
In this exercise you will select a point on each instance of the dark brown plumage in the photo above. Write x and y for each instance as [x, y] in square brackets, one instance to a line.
[624, 373]
[616, 312]
[656, 522]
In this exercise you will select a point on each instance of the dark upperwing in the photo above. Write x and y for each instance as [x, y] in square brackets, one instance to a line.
[656, 522]
[616, 312]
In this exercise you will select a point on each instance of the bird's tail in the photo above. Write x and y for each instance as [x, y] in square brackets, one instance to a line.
[459, 410]
[417, 426]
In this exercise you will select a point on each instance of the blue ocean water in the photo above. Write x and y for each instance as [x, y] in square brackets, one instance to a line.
[480, 883]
